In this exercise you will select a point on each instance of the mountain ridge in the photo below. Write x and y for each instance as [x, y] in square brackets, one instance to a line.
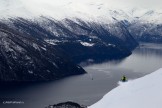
[79, 30]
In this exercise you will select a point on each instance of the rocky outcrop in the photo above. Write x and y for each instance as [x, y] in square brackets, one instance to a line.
[66, 105]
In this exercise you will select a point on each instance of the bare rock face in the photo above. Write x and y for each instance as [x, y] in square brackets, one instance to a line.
[67, 105]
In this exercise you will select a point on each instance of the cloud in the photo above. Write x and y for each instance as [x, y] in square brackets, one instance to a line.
[72, 8]
[135, 3]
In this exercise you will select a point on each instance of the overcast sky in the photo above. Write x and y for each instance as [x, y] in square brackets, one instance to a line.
[69, 7]
[155, 4]
[136, 3]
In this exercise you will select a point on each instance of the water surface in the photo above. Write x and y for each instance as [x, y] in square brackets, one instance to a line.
[88, 88]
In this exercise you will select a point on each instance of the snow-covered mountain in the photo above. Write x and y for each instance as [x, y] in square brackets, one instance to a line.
[24, 58]
[143, 24]
[88, 10]
[146, 25]
[83, 29]
[144, 92]
[85, 39]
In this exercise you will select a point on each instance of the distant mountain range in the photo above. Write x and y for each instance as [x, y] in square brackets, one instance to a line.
[46, 40]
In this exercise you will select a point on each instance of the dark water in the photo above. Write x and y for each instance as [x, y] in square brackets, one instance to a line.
[85, 89]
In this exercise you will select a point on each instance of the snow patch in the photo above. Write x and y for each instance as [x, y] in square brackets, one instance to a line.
[51, 41]
[30, 72]
[112, 45]
[35, 46]
[87, 44]
[44, 48]
[144, 92]
[89, 10]
[55, 65]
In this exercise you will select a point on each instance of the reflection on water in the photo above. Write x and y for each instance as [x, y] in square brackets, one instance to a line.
[88, 88]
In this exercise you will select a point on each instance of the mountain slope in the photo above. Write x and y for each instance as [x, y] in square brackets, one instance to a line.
[23, 58]
[144, 92]
[80, 39]
[47, 36]
[147, 32]
[48, 40]
[143, 24]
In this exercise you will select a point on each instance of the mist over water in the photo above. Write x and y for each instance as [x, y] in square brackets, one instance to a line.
[88, 88]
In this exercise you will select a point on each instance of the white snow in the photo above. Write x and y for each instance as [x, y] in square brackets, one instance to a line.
[87, 44]
[91, 10]
[145, 92]
[51, 41]
[54, 64]
[35, 46]
[30, 72]
[111, 45]
[44, 48]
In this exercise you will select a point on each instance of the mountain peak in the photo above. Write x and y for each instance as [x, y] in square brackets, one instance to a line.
[97, 10]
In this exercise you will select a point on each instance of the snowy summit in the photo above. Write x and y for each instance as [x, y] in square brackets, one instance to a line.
[145, 92]
[91, 10]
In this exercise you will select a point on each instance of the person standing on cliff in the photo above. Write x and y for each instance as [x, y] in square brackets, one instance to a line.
[123, 78]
